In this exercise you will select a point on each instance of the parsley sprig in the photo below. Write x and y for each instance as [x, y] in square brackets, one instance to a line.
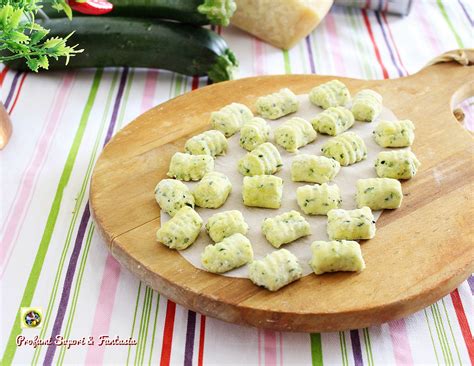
[22, 37]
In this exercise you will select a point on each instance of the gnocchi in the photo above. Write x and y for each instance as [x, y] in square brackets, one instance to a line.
[335, 256]
[212, 191]
[232, 252]
[173, 194]
[333, 121]
[367, 105]
[210, 142]
[262, 191]
[190, 167]
[294, 133]
[275, 270]
[379, 193]
[318, 199]
[395, 133]
[181, 230]
[254, 133]
[223, 224]
[278, 104]
[230, 118]
[264, 159]
[331, 94]
[347, 148]
[401, 164]
[314, 169]
[351, 224]
[285, 228]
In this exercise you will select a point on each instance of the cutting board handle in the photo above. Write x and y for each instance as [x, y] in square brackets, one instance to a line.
[451, 74]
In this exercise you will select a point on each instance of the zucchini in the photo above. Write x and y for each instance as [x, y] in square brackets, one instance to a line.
[152, 43]
[197, 12]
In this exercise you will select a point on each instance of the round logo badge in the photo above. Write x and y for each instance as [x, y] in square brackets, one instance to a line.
[32, 319]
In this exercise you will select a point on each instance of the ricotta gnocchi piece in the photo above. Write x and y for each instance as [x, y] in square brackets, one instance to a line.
[401, 164]
[278, 104]
[285, 228]
[331, 94]
[212, 191]
[351, 224]
[223, 224]
[173, 194]
[367, 105]
[232, 252]
[294, 133]
[210, 142]
[254, 133]
[262, 191]
[318, 199]
[347, 148]
[395, 133]
[333, 121]
[264, 159]
[190, 167]
[379, 193]
[336, 256]
[230, 118]
[181, 230]
[314, 169]
[275, 270]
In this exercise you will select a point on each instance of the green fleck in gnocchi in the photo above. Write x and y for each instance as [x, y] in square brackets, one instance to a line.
[190, 167]
[264, 159]
[314, 169]
[294, 133]
[379, 193]
[254, 133]
[210, 142]
[335, 256]
[285, 228]
[333, 121]
[230, 118]
[395, 133]
[223, 224]
[351, 224]
[331, 94]
[275, 270]
[401, 164]
[262, 191]
[180, 231]
[172, 194]
[318, 199]
[232, 252]
[277, 105]
[347, 148]
[367, 105]
[212, 191]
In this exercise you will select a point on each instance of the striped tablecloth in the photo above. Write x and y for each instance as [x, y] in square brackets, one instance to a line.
[52, 257]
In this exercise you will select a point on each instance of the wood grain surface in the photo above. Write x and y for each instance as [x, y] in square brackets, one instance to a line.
[421, 252]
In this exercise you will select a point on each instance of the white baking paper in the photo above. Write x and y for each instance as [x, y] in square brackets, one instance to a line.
[346, 180]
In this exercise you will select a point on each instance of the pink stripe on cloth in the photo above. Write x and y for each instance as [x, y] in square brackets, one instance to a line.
[401, 345]
[259, 62]
[334, 40]
[30, 176]
[103, 310]
[270, 347]
[149, 90]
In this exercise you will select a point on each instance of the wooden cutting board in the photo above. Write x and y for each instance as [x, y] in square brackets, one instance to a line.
[421, 252]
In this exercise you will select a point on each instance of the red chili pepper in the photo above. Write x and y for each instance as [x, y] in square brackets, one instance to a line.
[91, 7]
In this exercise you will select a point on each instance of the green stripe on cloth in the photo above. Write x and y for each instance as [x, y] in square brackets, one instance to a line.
[152, 345]
[132, 332]
[342, 343]
[448, 357]
[286, 61]
[451, 331]
[33, 278]
[72, 225]
[368, 347]
[450, 25]
[316, 349]
[431, 335]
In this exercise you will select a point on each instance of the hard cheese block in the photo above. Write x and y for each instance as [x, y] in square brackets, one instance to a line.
[281, 23]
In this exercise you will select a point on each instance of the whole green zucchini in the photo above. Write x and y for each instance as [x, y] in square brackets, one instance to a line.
[152, 43]
[198, 12]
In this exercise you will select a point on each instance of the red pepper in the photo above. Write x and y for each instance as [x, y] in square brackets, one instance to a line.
[91, 7]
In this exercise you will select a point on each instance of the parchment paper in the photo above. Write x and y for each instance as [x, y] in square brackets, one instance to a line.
[346, 180]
